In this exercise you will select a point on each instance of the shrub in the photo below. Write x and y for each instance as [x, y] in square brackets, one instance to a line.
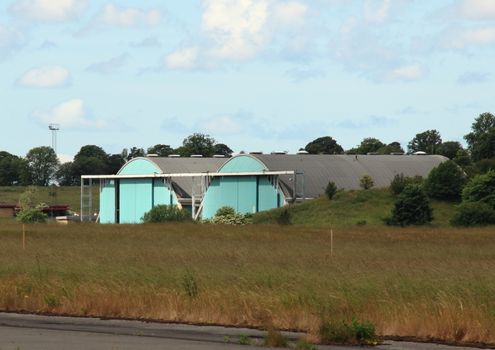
[411, 208]
[223, 211]
[31, 215]
[331, 190]
[227, 216]
[400, 182]
[481, 188]
[366, 182]
[473, 214]
[357, 332]
[284, 218]
[166, 213]
[445, 181]
[189, 284]
[275, 339]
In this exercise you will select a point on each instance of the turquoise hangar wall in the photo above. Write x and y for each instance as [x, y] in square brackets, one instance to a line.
[244, 193]
[127, 200]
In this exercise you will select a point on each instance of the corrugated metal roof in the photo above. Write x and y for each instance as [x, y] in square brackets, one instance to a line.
[347, 170]
[183, 185]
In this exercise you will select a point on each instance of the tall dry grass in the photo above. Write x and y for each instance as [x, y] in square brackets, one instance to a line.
[422, 282]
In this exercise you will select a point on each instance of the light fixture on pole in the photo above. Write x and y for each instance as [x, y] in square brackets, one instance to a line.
[54, 128]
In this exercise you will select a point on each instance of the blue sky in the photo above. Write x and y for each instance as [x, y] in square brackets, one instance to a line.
[254, 74]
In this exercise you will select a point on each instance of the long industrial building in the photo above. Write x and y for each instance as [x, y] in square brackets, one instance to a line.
[249, 183]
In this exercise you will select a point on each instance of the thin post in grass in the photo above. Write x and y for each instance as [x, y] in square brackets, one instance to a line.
[23, 236]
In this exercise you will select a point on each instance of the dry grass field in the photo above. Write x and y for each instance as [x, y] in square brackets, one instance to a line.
[426, 282]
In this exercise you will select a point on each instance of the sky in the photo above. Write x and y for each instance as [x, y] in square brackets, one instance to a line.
[257, 75]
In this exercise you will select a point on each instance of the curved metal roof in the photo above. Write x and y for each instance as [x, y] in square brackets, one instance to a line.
[347, 170]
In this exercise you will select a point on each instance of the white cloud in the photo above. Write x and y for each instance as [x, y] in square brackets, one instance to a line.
[406, 73]
[48, 10]
[65, 158]
[478, 9]
[127, 17]
[376, 13]
[185, 58]
[70, 114]
[45, 77]
[479, 36]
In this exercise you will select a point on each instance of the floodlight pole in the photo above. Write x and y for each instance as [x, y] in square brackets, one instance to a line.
[54, 128]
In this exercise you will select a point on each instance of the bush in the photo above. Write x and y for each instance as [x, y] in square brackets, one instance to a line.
[473, 214]
[166, 213]
[31, 215]
[481, 188]
[284, 218]
[366, 182]
[411, 208]
[331, 190]
[275, 339]
[400, 182]
[227, 216]
[445, 181]
[362, 333]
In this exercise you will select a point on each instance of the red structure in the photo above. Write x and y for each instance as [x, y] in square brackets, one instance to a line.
[7, 210]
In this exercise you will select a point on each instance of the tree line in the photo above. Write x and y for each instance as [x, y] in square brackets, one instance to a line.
[41, 167]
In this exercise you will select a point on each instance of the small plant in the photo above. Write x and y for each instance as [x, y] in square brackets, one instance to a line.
[362, 333]
[303, 344]
[331, 190]
[361, 222]
[366, 182]
[412, 207]
[189, 284]
[225, 211]
[284, 218]
[51, 301]
[166, 213]
[275, 339]
[226, 339]
[244, 339]
[473, 214]
[31, 215]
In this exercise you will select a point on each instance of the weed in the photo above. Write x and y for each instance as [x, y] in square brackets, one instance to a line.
[51, 301]
[226, 339]
[356, 332]
[189, 284]
[275, 339]
[244, 339]
[303, 344]
[361, 222]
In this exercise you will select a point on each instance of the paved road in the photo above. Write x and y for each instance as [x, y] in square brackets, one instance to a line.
[26, 332]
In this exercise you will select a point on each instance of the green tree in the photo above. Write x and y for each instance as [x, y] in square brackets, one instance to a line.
[449, 149]
[445, 181]
[481, 188]
[324, 145]
[366, 182]
[200, 144]
[393, 147]
[90, 160]
[223, 149]
[411, 208]
[462, 158]
[65, 175]
[12, 169]
[42, 164]
[115, 162]
[369, 145]
[160, 150]
[481, 139]
[331, 189]
[427, 141]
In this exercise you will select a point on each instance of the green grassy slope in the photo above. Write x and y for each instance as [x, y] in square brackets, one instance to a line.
[351, 208]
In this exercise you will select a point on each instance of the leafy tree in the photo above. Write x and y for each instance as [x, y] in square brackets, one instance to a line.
[445, 181]
[65, 175]
[160, 150]
[400, 182]
[223, 149]
[449, 149]
[427, 141]
[42, 164]
[462, 158]
[481, 139]
[411, 208]
[369, 145]
[91, 151]
[324, 145]
[12, 169]
[481, 188]
[135, 152]
[115, 162]
[393, 147]
[197, 144]
[166, 213]
[90, 160]
[30, 213]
